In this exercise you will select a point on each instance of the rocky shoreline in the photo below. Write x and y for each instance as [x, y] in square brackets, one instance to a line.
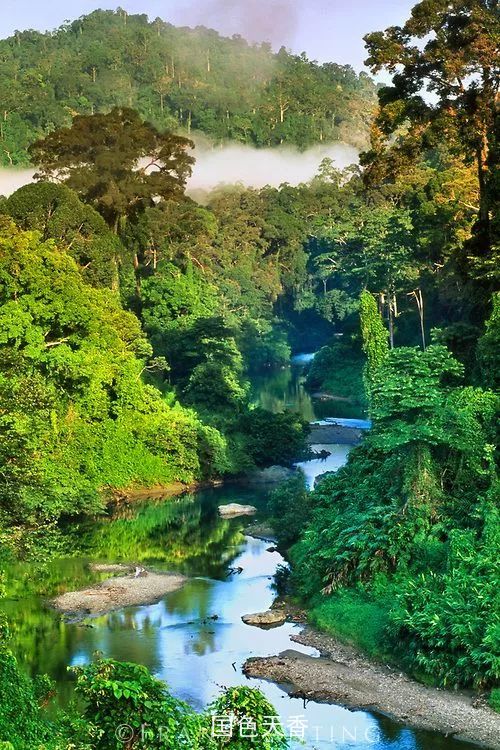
[342, 675]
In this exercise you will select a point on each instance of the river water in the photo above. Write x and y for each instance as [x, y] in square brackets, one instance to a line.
[177, 639]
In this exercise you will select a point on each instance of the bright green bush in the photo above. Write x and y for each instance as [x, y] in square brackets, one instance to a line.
[494, 699]
[355, 617]
[131, 707]
[256, 723]
[75, 415]
[124, 700]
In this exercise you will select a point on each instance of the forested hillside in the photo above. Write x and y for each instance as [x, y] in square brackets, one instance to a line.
[132, 320]
[178, 78]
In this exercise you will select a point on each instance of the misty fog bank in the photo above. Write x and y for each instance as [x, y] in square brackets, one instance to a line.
[236, 164]
[268, 166]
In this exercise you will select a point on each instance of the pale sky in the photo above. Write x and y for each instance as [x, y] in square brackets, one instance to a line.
[327, 30]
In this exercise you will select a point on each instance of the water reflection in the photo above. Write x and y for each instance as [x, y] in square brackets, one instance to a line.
[284, 389]
[337, 456]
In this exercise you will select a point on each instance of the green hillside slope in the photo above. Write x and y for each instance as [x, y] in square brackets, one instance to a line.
[181, 78]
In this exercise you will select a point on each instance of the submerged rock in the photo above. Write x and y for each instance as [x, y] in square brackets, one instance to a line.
[273, 618]
[235, 509]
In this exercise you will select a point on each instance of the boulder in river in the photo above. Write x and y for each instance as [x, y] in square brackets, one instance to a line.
[273, 618]
[231, 510]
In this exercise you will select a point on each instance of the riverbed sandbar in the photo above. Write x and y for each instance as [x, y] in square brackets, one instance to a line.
[118, 592]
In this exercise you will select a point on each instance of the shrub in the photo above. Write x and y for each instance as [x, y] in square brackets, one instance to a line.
[273, 438]
[253, 716]
[133, 709]
[356, 618]
[289, 506]
[494, 699]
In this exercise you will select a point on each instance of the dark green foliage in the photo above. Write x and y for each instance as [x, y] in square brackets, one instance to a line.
[273, 438]
[414, 497]
[55, 211]
[264, 345]
[176, 78]
[338, 370]
[101, 158]
[23, 725]
[290, 508]
[489, 347]
[448, 622]
[20, 722]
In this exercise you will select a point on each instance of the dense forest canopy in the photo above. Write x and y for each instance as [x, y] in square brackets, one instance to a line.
[178, 78]
[132, 319]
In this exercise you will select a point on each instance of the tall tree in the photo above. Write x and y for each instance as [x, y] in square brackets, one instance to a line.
[446, 76]
[116, 162]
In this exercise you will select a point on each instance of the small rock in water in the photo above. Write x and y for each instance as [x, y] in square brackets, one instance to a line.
[235, 509]
[273, 618]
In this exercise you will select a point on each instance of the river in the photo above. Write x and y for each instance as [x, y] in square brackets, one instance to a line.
[177, 639]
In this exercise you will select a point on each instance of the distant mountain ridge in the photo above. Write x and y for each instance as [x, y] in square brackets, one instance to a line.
[178, 78]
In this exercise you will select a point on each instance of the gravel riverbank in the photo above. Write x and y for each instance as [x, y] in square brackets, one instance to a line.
[344, 676]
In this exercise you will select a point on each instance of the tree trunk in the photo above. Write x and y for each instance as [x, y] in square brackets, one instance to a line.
[390, 316]
[482, 170]
[419, 299]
